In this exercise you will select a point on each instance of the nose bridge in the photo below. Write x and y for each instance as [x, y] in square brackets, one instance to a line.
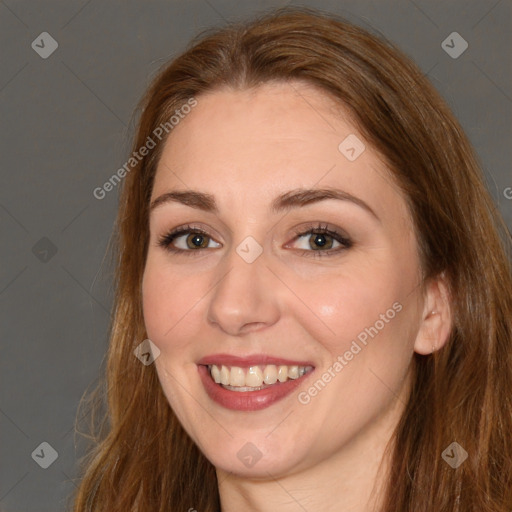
[243, 295]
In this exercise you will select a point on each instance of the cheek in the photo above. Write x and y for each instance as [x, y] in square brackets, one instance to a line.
[154, 303]
[346, 307]
[169, 305]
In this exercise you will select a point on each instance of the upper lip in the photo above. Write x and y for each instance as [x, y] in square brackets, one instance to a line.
[254, 360]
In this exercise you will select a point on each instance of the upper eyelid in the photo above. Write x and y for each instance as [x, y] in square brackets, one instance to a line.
[182, 230]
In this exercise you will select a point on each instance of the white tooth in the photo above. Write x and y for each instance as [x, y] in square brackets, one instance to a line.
[215, 374]
[241, 389]
[270, 374]
[254, 377]
[282, 374]
[237, 376]
[293, 372]
[224, 375]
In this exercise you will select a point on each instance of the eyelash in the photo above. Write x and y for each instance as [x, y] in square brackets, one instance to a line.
[166, 240]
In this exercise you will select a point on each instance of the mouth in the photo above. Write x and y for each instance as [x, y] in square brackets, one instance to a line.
[240, 384]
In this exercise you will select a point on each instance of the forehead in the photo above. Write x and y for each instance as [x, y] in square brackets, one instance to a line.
[284, 119]
[255, 144]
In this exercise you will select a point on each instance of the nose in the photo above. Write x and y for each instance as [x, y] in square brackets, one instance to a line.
[244, 299]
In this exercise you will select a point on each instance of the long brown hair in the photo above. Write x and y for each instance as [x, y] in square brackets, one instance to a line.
[145, 461]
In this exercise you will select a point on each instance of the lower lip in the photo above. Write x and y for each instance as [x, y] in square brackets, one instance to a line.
[247, 400]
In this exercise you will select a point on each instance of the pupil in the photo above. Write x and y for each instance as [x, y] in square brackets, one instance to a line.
[320, 240]
[197, 240]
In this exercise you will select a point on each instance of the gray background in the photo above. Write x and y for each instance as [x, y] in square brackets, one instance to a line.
[66, 123]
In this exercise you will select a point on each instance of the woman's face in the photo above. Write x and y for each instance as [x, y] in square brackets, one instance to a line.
[293, 279]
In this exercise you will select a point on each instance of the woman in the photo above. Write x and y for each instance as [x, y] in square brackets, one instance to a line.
[308, 244]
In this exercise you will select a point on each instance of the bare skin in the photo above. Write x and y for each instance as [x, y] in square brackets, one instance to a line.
[245, 148]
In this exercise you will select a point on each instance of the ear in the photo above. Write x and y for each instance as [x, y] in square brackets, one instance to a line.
[436, 323]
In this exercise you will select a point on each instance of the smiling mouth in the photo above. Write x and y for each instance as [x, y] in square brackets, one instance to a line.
[255, 378]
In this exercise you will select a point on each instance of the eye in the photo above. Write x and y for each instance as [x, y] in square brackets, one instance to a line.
[317, 241]
[186, 239]
[321, 241]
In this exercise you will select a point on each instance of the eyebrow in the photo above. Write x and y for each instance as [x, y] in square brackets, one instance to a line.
[291, 199]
